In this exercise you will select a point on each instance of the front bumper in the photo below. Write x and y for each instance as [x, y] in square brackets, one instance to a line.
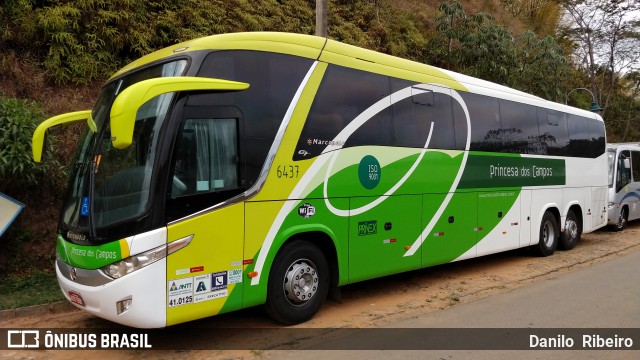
[146, 288]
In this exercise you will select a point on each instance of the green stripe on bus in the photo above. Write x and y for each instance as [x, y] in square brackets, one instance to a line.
[88, 257]
[484, 171]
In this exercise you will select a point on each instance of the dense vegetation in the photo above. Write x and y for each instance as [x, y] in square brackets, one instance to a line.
[58, 52]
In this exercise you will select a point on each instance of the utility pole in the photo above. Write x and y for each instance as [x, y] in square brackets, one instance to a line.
[321, 18]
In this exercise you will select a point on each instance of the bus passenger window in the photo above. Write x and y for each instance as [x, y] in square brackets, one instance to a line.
[635, 165]
[554, 136]
[206, 157]
[624, 172]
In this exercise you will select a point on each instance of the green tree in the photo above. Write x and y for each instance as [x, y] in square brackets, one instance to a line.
[18, 172]
[476, 46]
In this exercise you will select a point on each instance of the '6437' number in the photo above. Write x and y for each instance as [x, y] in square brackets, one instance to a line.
[287, 171]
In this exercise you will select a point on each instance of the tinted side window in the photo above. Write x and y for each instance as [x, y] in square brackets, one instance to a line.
[344, 94]
[412, 118]
[554, 136]
[485, 122]
[206, 157]
[579, 137]
[460, 125]
[624, 174]
[273, 79]
[519, 128]
[635, 165]
[596, 133]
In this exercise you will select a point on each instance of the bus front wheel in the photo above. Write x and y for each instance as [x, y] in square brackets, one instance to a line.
[298, 283]
[622, 219]
[549, 234]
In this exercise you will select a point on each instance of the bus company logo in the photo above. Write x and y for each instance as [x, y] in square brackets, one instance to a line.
[307, 210]
[202, 283]
[201, 287]
[304, 153]
[311, 141]
[23, 339]
[180, 287]
[367, 228]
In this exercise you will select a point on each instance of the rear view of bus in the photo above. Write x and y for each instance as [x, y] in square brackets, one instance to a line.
[624, 184]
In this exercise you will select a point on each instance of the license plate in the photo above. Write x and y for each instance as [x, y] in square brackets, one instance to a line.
[76, 298]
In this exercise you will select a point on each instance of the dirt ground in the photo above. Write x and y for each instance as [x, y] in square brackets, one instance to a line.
[373, 303]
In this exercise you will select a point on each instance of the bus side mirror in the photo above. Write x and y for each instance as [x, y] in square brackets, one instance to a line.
[126, 105]
[39, 135]
[627, 163]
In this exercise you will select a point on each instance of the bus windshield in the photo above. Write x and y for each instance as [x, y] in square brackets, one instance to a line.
[109, 185]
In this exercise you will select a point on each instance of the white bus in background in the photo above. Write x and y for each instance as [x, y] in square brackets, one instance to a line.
[624, 184]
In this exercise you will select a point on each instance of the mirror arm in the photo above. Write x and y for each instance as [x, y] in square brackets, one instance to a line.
[37, 141]
[126, 105]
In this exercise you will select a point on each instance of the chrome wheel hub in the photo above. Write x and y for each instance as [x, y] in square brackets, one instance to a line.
[300, 282]
[548, 234]
[571, 227]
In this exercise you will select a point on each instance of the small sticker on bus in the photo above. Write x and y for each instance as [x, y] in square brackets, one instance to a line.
[307, 210]
[218, 281]
[234, 276]
[84, 210]
[196, 269]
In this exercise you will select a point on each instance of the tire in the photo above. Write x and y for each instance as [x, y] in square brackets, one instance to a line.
[290, 302]
[549, 235]
[572, 232]
[623, 218]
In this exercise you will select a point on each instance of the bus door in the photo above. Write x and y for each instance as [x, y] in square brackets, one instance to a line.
[634, 212]
[204, 278]
[623, 178]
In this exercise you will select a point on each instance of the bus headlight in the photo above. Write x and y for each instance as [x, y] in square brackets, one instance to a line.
[135, 262]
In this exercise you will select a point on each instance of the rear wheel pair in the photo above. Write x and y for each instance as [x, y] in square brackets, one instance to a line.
[551, 238]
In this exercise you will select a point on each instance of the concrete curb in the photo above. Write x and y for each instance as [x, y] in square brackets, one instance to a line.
[35, 310]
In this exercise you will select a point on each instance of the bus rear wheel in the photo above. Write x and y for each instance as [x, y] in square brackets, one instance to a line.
[549, 235]
[298, 283]
[571, 234]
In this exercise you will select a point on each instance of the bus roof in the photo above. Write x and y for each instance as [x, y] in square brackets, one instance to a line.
[338, 53]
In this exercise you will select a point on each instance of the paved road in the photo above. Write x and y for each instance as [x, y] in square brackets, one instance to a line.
[606, 295]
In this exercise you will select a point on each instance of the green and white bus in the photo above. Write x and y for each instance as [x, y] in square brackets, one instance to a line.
[268, 168]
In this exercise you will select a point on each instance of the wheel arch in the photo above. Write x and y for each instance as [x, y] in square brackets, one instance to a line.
[553, 209]
[323, 237]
